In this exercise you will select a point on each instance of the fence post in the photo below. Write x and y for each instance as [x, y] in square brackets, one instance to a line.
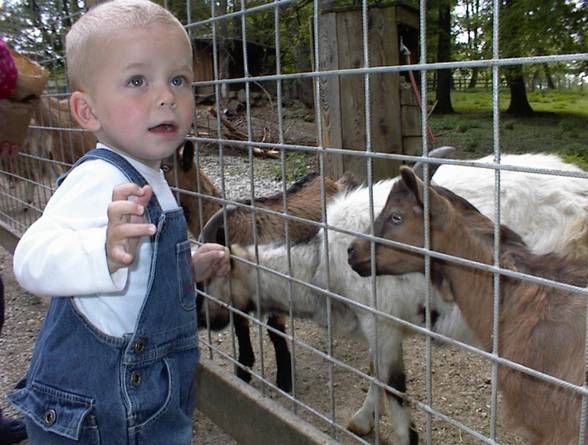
[342, 100]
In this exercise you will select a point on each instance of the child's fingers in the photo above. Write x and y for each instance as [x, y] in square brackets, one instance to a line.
[145, 195]
[120, 249]
[223, 268]
[119, 256]
[126, 231]
[122, 192]
[118, 212]
[210, 257]
[208, 247]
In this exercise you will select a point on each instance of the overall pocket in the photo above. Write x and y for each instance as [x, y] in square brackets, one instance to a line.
[60, 412]
[185, 277]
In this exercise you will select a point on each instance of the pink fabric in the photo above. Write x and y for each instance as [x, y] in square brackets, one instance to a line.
[8, 72]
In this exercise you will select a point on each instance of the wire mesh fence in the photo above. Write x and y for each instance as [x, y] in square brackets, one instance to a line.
[365, 356]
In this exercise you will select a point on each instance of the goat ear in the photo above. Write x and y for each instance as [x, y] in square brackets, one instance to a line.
[438, 205]
[440, 208]
[414, 184]
[186, 157]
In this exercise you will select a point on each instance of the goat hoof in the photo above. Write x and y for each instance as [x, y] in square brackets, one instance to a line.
[414, 436]
[360, 427]
[284, 382]
[243, 374]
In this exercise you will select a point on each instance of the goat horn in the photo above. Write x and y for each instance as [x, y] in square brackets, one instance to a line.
[209, 233]
[440, 152]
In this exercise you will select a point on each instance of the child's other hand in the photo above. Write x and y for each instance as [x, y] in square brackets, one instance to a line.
[210, 260]
[126, 224]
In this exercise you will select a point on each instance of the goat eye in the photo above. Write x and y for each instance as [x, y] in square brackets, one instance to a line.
[166, 168]
[396, 218]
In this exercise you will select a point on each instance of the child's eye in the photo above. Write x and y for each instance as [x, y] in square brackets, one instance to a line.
[179, 81]
[136, 81]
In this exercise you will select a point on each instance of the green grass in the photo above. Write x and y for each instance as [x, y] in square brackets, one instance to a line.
[560, 125]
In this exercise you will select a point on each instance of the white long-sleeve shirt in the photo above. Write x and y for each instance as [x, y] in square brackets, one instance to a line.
[64, 252]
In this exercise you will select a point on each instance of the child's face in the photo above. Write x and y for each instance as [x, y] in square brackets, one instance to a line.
[142, 92]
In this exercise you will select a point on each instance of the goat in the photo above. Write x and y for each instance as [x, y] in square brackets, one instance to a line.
[58, 131]
[403, 297]
[62, 138]
[303, 200]
[540, 327]
[553, 201]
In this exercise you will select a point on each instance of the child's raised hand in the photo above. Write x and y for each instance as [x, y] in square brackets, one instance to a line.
[210, 260]
[126, 224]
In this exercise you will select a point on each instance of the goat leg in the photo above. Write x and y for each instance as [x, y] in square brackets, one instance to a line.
[283, 359]
[246, 355]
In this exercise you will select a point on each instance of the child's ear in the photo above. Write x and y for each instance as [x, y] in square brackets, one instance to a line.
[82, 111]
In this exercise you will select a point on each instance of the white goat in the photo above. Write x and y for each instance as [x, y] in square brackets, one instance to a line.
[551, 199]
[549, 212]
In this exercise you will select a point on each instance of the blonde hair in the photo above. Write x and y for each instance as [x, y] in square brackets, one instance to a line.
[98, 23]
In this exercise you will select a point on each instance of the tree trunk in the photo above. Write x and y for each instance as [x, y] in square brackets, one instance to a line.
[519, 104]
[444, 55]
[511, 45]
[474, 78]
[550, 83]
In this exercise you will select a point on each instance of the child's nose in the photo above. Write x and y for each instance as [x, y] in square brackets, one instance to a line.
[170, 103]
[166, 98]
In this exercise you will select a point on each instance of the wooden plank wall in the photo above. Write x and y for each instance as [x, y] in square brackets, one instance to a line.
[342, 100]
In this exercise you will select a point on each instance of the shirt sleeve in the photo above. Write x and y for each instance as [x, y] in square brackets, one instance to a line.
[64, 252]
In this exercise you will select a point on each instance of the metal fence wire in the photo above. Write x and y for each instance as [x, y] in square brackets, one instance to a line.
[352, 340]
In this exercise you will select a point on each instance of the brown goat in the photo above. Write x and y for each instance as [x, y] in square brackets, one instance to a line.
[303, 200]
[540, 327]
[64, 140]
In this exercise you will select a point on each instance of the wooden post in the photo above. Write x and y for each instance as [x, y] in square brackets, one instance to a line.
[342, 99]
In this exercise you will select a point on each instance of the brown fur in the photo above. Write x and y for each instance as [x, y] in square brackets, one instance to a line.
[540, 327]
[64, 145]
[303, 201]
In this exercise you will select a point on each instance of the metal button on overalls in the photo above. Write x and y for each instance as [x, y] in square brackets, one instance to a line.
[50, 417]
[135, 378]
[139, 345]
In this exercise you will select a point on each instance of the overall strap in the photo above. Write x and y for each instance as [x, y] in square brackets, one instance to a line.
[154, 210]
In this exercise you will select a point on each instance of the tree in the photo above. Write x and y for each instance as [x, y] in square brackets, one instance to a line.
[536, 27]
[444, 8]
[511, 43]
[471, 25]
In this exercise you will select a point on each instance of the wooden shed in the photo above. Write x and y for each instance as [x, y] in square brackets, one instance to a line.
[395, 118]
[261, 60]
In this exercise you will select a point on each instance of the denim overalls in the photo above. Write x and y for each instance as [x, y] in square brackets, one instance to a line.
[84, 386]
